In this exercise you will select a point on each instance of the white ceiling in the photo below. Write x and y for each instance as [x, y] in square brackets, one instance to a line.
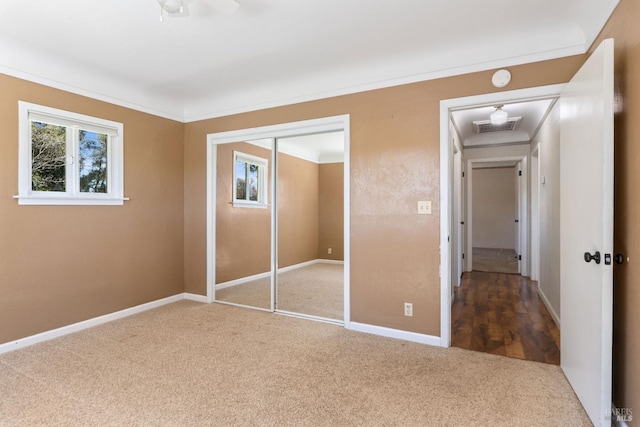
[276, 52]
[532, 115]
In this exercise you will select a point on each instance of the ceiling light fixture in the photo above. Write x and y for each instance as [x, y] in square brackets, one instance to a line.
[498, 117]
[180, 8]
[171, 7]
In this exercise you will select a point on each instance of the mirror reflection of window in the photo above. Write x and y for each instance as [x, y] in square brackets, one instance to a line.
[250, 174]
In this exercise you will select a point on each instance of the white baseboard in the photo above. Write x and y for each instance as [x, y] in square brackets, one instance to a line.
[395, 333]
[69, 329]
[550, 309]
[329, 261]
[266, 274]
[195, 297]
[242, 280]
[297, 266]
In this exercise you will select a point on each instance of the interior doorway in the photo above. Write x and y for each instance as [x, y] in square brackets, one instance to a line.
[477, 308]
[497, 214]
[277, 228]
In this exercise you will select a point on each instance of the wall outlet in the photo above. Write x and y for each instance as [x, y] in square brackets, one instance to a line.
[408, 309]
[329, 251]
[424, 207]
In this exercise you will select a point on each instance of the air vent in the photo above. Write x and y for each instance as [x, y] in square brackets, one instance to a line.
[484, 126]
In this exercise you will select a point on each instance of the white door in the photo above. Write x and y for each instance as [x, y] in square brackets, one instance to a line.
[586, 217]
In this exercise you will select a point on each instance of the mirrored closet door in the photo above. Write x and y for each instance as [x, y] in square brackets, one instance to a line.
[243, 223]
[310, 220]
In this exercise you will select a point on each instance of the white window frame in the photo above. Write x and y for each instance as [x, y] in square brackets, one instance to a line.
[72, 196]
[263, 177]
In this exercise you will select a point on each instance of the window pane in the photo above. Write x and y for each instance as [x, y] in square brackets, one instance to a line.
[253, 183]
[241, 179]
[48, 157]
[92, 151]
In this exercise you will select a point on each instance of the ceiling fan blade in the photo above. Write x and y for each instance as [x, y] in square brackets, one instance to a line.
[227, 7]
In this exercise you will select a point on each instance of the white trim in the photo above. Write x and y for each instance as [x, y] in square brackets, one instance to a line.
[266, 274]
[536, 168]
[195, 297]
[550, 309]
[522, 202]
[310, 316]
[212, 161]
[446, 106]
[241, 280]
[433, 75]
[395, 333]
[298, 266]
[325, 124]
[85, 324]
[182, 113]
[329, 261]
[28, 112]
[263, 178]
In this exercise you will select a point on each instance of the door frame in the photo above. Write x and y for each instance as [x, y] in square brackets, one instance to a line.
[305, 127]
[446, 186]
[534, 269]
[522, 247]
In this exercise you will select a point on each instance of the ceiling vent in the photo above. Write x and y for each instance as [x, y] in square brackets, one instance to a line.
[484, 126]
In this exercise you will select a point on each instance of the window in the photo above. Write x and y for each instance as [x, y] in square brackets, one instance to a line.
[68, 158]
[250, 181]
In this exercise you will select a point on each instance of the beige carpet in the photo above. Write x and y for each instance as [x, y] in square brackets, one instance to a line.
[316, 290]
[495, 260]
[193, 364]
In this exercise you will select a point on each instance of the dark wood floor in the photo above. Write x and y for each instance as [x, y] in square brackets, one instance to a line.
[503, 314]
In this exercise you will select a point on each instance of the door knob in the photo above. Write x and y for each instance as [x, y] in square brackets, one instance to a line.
[618, 258]
[595, 257]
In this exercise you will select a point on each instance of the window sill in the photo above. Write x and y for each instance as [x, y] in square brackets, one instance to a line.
[73, 201]
[250, 205]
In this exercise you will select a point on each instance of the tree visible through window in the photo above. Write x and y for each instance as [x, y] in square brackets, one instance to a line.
[93, 162]
[48, 157]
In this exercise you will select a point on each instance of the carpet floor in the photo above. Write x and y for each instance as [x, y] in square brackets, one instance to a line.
[316, 290]
[495, 260]
[194, 364]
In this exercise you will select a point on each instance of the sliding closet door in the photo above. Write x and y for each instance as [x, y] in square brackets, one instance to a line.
[310, 222]
[244, 187]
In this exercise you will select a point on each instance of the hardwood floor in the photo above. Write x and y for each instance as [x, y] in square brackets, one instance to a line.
[503, 314]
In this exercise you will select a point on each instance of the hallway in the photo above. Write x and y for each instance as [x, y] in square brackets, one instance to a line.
[502, 314]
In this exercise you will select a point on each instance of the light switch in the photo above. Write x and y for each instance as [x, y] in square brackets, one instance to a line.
[424, 207]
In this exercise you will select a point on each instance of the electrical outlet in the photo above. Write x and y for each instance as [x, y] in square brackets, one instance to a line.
[408, 309]
[329, 251]
[424, 207]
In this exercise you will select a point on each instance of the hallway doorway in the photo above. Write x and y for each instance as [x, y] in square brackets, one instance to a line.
[496, 308]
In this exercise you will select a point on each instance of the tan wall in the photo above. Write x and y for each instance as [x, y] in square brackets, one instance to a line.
[243, 235]
[494, 208]
[297, 210]
[394, 163]
[331, 213]
[64, 264]
[623, 27]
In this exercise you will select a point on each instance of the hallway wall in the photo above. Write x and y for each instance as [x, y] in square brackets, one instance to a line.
[548, 140]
